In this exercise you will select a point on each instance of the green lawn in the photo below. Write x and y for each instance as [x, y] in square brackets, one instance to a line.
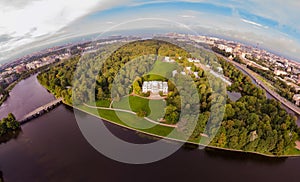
[161, 71]
[132, 121]
[133, 103]
[292, 151]
[157, 108]
[153, 108]
[103, 103]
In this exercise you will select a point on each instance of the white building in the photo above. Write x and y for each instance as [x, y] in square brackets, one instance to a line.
[225, 48]
[174, 72]
[193, 60]
[296, 98]
[155, 87]
[279, 72]
[169, 60]
[228, 49]
[196, 74]
[188, 68]
[183, 73]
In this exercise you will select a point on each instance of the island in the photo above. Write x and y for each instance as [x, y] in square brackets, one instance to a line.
[9, 128]
[251, 124]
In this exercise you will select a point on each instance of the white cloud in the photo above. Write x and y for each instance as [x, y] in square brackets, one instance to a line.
[25, 22]
[38, 21]
[254, 23]
[187, 16]
[46, 16]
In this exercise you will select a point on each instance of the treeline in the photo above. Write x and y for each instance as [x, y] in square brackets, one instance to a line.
[240, 82]
[58, 79]
[222, 52]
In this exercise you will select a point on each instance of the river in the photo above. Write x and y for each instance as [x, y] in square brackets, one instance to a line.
[52, 148]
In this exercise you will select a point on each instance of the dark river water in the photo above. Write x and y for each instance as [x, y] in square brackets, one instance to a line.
[52, 148]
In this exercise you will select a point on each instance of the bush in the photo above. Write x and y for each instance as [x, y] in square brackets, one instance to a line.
[145, 94]
[141, 113]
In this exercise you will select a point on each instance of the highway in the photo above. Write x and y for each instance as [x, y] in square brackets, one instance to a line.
[253, 75]
[250, 73]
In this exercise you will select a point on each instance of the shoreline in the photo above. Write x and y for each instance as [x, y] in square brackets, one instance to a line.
[182, 141]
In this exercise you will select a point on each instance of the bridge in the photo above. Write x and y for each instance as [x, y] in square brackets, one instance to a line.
[40, 110]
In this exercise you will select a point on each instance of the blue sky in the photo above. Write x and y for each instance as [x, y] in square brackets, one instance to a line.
[35, 23]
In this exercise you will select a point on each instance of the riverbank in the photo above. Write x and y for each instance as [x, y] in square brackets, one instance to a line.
[54, 139]
[179, 140]
[23, 76]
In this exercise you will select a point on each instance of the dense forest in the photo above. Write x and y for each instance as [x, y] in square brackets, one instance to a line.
[252, 123]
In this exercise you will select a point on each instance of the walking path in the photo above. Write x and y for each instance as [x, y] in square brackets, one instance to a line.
[130, 112]
[151, 97]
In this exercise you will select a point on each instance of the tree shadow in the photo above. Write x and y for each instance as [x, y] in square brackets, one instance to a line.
[1, 177]
[10, 135]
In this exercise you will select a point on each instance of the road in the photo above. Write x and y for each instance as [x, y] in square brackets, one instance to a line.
[250, 73]
[285, 102]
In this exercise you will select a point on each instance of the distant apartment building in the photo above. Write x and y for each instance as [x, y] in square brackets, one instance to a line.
[30, 66]
[155, 87]
[20, 68]
[280, 72]
[10, 79]
[296, 98]
[225, 48]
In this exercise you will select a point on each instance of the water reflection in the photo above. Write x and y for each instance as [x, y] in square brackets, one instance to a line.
[1, 176]
[243, 157]
[10, 136]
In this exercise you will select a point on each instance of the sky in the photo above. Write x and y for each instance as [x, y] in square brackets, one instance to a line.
[30, 24]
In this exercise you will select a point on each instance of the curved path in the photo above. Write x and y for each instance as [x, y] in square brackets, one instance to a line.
[130, 112]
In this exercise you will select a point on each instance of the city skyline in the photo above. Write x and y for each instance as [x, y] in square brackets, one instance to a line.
[248, 21]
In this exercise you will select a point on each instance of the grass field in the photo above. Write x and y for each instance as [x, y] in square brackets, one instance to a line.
[161, 71]
[134, 122]
[153, 108]
[102, 103]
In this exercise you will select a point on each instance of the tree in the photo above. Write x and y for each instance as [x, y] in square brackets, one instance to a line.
[9, 124]
[171, 114]
[136, 87]
[141, 113]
